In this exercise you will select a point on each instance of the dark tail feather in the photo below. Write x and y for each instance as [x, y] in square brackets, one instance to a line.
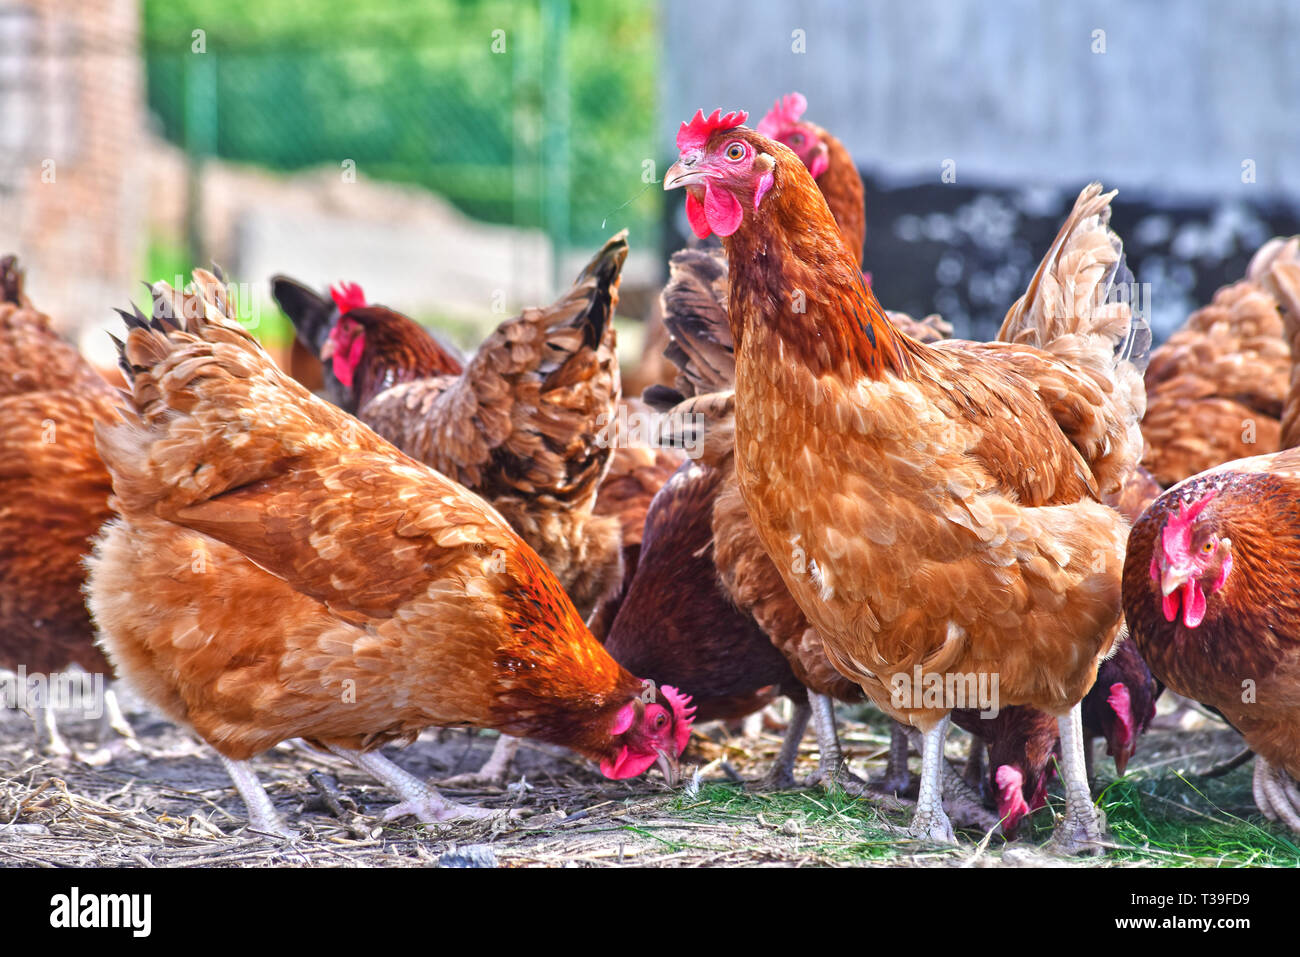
[11, 281]
[605, 267]
[312, 315]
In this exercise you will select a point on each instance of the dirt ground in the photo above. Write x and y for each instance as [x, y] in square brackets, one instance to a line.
[172, 804]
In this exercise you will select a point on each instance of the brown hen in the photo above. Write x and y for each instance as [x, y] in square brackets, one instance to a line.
[280, 571]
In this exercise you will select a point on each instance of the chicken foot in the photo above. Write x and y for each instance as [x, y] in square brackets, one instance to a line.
[417, 798]
[262, 815]
[930, 822]
[115, 734]
[897, 778]
[831, 767]
[1276, 795]
[781, 776]
[495, 770]
[46, 726]
[1082, 829]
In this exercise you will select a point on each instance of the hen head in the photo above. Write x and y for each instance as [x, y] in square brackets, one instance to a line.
[347, 340]
[725, 167]
[782, 124]
[1013, 805]
[1191, 560]
[648, 732]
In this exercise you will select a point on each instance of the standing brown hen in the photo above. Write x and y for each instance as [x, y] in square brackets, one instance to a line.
[279, 571]
[931, 508]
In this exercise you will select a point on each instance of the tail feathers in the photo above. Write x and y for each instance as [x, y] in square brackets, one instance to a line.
[207, 410]
[1077, 305]
[1276, 267]
[695, 314]
[313, 315]
[11, 281]
[1077, 308]
[595, 293]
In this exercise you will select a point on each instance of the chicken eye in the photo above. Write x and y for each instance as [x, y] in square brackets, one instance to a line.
[736, 152]
[1207, 547]
[661, 719]
[796, 140]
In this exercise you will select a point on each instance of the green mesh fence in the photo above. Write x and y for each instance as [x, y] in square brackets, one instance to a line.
[538, 114]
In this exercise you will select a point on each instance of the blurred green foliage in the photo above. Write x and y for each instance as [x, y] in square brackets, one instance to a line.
[414, 92]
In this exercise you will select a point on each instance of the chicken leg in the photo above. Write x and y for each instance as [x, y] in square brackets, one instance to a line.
[898, 776]
[781, 776]
[48, 739]
[831, 769]
[1082, 829]
[931, 821]
[417, 798]
[262, 815]
[1276, 794]
[494, 771]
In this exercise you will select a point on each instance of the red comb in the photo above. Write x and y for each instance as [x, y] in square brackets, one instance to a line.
[784, 112]
[685, 712]
[348, 296]
[1177, 533]
[693, 135]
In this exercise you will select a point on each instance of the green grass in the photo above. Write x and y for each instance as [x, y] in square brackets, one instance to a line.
[1157, 816]
[830, 825]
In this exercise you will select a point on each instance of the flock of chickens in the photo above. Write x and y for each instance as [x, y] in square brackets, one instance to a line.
[837, 496]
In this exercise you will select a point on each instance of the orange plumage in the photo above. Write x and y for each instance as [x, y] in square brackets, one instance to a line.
[53, 488]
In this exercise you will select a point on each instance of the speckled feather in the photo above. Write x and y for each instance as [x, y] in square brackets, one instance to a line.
[521, 425]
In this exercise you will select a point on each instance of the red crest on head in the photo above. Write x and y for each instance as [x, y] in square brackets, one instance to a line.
[683, 711]
[784, 112]
[348, 296]
[1177, 535]
[693, 135]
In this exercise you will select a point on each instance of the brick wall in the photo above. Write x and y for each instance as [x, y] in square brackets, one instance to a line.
[72, 111]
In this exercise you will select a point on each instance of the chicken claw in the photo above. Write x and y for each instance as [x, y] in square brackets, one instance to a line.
[1082, 829]
[418, 800]
[781, 776]
[832, 771]
[1276, 795]
[48, 739]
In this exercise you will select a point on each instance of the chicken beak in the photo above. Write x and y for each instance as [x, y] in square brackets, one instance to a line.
[327, 350]
[668, 765]
[680, 174]
[1172, 579]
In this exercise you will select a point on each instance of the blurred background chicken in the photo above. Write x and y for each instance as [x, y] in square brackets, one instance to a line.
[53, 498]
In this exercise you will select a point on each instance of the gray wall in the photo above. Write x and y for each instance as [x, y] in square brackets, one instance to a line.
[1011, 90]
